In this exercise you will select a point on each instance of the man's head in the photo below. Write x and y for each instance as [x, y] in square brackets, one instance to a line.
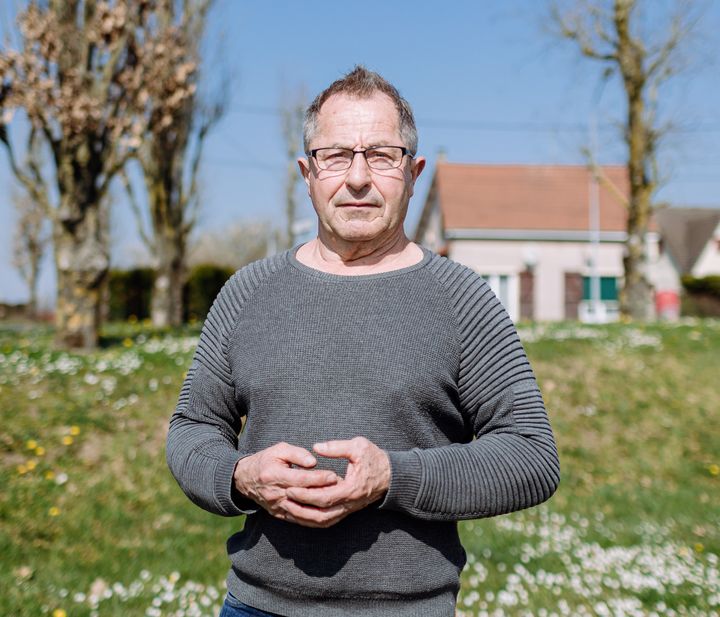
[360, 139]
[363, 84]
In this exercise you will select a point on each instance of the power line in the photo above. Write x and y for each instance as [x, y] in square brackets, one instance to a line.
[521, 126]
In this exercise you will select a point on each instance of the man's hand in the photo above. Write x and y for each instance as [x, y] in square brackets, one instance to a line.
[266, 476]
[366, 480]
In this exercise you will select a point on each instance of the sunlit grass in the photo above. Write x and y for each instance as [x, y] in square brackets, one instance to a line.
[91, 522]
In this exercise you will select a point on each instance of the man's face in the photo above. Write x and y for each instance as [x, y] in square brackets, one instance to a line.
[360, 204]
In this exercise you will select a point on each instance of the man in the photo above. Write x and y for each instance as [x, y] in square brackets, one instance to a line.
[384, 390]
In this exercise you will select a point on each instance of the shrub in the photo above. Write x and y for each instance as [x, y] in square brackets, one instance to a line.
[702, 296]
[130, 293]
[204, 283]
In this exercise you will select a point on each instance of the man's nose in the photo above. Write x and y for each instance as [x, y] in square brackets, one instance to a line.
[358, 176]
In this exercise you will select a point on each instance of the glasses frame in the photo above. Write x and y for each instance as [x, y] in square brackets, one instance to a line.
[405, 152]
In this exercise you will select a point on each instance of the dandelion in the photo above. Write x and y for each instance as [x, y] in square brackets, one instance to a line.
[74, 430]
[59, 612]
[127, 342]
[39, 450]
[67, 440]
[31, 464]
[49, 475]
[132, 319]
[22, 469]
[714, 469]
[31, 444]
[699, 547]
[54, 511]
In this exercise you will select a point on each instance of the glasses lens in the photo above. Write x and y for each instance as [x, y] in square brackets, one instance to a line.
[334, 159]
[386, 157]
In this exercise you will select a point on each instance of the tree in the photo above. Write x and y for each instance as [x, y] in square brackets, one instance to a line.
[170, 156]
[30, 241]
[232, 247]
[292, 112]
[81, 76]
[609, 32]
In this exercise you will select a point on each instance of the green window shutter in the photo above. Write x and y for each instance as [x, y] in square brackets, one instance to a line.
[608, 288]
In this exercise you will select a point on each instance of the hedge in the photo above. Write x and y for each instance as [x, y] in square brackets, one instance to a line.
[702, 296]
[130, 291]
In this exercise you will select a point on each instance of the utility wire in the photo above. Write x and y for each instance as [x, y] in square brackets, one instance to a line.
[493, 125]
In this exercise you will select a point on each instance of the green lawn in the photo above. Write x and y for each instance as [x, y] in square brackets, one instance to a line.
[92, 523]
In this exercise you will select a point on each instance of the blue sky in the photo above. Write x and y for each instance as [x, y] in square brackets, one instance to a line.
[487, 82]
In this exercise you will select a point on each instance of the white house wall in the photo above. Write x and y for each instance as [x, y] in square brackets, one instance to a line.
[709, 261]
[551, 261]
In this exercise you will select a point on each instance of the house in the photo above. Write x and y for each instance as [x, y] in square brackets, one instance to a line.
[691, 239]
[547, 238]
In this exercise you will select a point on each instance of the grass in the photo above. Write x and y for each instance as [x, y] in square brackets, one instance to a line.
[92, 523]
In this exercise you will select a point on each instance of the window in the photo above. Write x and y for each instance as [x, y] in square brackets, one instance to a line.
[499, 283]
[608, 288]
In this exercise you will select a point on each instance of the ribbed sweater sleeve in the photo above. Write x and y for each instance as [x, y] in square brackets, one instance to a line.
[203, 433]
[512, 462]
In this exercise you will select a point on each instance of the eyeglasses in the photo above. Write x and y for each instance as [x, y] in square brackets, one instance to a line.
[341, 159]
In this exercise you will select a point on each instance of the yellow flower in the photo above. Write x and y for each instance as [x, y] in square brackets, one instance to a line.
[59, 612]
[54, 511]
[74, 430]
[714, 469]
[22, 469]
[49, 475]
[127, 342]
[31, 444]
[31, 464]
[132, 319]
[67, 440]
[39, 450]
[699, 547]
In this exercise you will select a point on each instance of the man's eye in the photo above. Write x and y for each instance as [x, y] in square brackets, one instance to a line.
[335, 154]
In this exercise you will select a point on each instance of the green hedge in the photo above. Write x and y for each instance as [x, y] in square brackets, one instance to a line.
[204, 283]
[702, 296]
[131, 292]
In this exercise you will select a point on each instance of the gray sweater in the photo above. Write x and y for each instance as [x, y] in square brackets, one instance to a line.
[424, 362]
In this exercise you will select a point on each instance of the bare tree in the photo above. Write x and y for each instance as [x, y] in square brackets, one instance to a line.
[609, 31]
[81, 76]
[292, 111]
[30, 242]
[233, 246]
[170, 157]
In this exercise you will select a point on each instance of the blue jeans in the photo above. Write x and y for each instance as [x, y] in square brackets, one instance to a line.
[234, 608]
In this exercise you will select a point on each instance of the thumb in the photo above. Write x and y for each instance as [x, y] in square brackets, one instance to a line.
[339, 448]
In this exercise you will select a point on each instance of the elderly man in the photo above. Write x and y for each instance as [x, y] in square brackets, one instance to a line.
[384, 392]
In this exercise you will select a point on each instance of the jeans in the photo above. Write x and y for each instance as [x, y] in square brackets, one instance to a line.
[234, 608]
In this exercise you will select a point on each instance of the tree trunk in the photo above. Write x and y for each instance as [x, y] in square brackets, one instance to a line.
[290, 204]
[166, 306]
[82, 262]
[636, 294]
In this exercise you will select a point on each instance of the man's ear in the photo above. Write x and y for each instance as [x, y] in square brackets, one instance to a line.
[304, 166]
[416, 167]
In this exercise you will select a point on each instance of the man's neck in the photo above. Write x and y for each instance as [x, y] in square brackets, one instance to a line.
[359, 258]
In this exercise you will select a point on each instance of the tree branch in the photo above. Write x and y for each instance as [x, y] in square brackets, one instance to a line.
[137, 211]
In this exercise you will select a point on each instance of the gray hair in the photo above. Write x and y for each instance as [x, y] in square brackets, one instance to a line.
[361, 83]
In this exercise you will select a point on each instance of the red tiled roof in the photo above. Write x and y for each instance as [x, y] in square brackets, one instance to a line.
[533, 197]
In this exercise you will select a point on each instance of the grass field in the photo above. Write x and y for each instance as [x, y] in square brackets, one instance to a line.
[92, 523]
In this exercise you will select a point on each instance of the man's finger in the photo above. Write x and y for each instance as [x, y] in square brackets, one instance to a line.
[314, 517]
[338, 448]
[294, 455]
[307, 477]
[325, 497]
